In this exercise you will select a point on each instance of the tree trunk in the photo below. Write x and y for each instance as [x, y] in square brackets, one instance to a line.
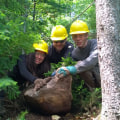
[34, 10]
[108, 36]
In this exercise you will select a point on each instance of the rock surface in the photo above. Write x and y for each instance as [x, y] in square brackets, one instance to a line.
[53, 98]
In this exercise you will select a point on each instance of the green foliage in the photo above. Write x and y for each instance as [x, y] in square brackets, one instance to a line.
[10, 87]
[18, 30]
[83, 99]
[22, 115]
[65, 62]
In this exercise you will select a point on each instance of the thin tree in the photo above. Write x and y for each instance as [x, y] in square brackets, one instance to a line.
[34, 9]
[108, 36]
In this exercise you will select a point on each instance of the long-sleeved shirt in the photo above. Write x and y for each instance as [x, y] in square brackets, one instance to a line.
[26, 70]
[23, 71]
[87, 57]
[55, 57]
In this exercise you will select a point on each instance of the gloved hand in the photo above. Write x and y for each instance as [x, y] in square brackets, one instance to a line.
[53, 74]
[39, 83]
[67, 70]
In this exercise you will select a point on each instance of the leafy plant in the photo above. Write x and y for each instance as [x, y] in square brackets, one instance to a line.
[19, 30]
[22, 115]
[83, 99]
[65, 62]
[10, 87]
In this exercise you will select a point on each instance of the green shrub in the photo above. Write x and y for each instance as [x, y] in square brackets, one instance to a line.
[65, 62]
[83, 99]
[21, 116]
[10, 87]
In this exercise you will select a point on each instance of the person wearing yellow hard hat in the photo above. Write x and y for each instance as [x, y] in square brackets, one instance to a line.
[85, 53]
[60, 47]
[30, 68]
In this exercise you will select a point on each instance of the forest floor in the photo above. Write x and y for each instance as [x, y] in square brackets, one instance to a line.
[36, 116]
[13, 112]
[68, 116]
[18, 110]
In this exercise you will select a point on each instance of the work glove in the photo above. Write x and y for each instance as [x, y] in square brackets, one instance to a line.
[63, 71]
[53, 74]
[39, 83]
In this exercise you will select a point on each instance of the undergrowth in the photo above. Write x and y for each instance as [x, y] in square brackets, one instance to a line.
[83, 99]
[10, 88]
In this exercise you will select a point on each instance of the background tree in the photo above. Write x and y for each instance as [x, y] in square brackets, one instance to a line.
[108, 36]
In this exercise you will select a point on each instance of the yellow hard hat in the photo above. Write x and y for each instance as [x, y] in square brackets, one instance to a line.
[59, 32]
[78, 27]
[42, 46]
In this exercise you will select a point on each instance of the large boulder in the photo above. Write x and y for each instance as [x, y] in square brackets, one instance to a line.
[53, 98]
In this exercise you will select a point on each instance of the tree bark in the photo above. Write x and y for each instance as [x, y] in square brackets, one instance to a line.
[34, 10]
[108, 36]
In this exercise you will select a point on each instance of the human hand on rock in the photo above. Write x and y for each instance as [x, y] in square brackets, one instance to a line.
[38, 84]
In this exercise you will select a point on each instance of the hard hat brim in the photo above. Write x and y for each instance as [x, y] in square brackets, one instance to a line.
[58, 38]
[79, 32]
[41, 50]
[36, 47]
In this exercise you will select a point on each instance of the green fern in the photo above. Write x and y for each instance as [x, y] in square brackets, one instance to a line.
[10, 87]
[22, 115]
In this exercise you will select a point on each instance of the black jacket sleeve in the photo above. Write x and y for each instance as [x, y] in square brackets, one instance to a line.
[69, 49]
[24, 72]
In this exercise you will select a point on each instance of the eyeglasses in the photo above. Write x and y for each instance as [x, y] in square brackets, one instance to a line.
[60, 41]
[37, 53]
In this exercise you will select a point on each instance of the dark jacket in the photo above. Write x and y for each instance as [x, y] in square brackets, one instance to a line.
[26, 70]
[55, 57]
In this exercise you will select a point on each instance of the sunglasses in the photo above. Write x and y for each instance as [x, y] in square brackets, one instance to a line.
[60, 41]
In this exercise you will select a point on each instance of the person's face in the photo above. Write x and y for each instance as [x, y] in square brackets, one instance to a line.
[80, 39]
[59, 45]
[39, 57]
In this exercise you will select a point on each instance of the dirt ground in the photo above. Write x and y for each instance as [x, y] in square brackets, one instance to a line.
[14, 108]
[36, 116]
[68, 116]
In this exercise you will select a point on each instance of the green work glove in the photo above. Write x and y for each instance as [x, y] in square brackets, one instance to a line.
[72, 70]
